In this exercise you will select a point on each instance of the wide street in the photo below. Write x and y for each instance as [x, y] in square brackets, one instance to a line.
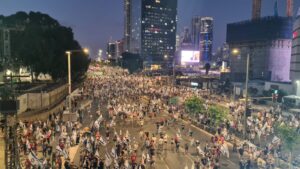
[130, 120]
[165, 157]
[168, 158]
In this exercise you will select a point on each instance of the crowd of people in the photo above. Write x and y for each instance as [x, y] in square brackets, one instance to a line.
[124, 100]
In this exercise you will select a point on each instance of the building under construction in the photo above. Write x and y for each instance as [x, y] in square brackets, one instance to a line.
[268, 42]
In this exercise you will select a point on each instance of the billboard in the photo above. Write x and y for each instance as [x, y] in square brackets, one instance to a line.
[189, 56]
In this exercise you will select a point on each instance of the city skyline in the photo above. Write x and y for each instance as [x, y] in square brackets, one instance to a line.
[83, 16]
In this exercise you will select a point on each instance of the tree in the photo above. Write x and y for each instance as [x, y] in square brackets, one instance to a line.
[290, 138]
[40, 42]
[194, 105]
[218, 113]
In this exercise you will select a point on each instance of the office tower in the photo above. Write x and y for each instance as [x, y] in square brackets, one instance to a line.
[196, 29]
[127, 24]
[295, 60]
[152, 25]
[111, 51]
[268, 43]
[206, 39]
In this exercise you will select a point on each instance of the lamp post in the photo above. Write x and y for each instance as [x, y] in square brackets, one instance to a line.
[236, 52]
[69, 52]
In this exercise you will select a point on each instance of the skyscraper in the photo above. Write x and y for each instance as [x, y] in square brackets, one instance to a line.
[152, 26]
[295, 60]
[206, 38]
[127, 24]
[196, 29]
[132, 27]
[158, 28]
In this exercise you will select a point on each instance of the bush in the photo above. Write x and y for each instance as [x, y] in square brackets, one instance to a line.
[218, 113]
[194, 105]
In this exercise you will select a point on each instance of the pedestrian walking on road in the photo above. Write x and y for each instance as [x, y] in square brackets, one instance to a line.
[186, 148]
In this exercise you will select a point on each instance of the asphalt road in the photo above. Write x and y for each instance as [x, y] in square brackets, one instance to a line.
[167, 159]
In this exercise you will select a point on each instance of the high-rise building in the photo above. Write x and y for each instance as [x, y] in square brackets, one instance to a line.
[115, 49]
[206, 39]
[295, 60]
[132, 31]
[177, 42]
[127, 24]
[150, 29]
[111, 51]
[186, 40]
[196, 29]
[119, 48]
[268, 42]
[5, 51]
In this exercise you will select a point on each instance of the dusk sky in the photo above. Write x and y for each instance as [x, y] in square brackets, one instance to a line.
[94, 22]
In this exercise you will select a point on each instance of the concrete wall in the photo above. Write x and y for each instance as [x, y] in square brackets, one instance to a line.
[23, 102]
[279, 60]
[35, 101]
[269, 60]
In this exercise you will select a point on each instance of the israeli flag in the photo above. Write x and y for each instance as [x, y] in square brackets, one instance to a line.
[62, 152]
[113, 153]
[97, 154]
[34, 159]
[102, 141]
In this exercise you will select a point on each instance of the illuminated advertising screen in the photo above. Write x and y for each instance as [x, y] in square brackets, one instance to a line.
[188, 56]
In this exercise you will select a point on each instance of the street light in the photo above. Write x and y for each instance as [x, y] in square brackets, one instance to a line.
[69, 52]
[236, 52]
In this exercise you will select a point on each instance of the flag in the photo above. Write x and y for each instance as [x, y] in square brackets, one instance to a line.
[113, 153]
[102, 141]
[275, 140]
[108, 159]
[62, 152]
[89, 146]
[97, 154]
[34, 160]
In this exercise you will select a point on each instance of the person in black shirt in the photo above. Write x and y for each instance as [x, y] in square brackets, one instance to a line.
[101, 164]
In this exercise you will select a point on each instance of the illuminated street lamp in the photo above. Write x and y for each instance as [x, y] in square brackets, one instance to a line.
[69, 52]
[235, 51]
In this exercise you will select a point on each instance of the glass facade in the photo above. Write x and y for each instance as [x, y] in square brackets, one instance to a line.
[196, 29]
[267, 28]
[206, 39]
[135, 31]
[158, 30]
